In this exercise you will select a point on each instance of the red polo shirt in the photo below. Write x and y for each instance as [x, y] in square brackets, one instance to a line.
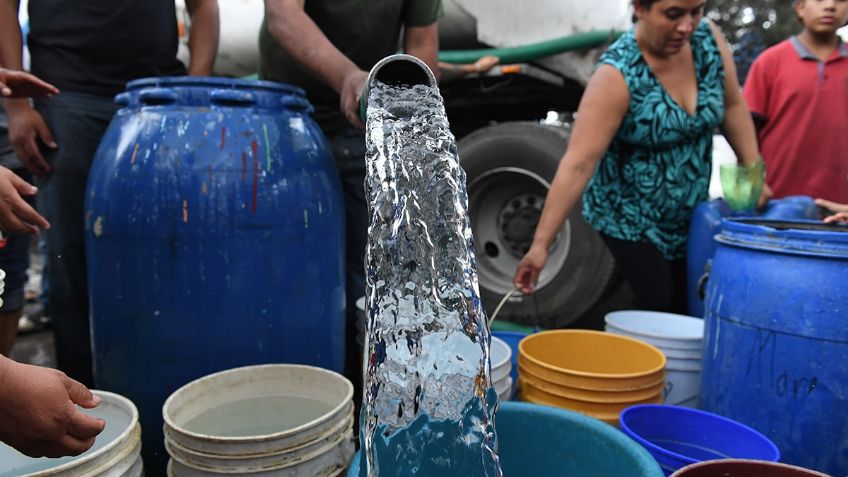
[804, 103]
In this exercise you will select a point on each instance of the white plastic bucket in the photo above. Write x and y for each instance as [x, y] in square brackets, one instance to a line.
[500, 355]
[682, 387]
[664, 330]
[281, 420]
[115, 453]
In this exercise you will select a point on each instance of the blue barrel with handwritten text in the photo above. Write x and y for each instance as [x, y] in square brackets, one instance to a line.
[776, 337]
[214, 234]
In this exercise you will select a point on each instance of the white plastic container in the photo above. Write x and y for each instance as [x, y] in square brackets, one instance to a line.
[116, 451]
[281, 420]
[500, 355]
[664, 330]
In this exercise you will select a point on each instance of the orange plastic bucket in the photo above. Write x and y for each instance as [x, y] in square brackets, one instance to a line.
[531, 393]
[606, 396]
[592, 360]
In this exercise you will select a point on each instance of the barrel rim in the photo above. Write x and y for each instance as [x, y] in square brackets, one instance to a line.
[213, 82]
[166, 417]
[808, 237]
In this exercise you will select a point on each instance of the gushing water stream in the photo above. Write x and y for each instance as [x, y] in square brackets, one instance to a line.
[429, 404]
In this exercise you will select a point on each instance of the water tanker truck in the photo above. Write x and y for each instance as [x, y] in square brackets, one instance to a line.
[512, 123]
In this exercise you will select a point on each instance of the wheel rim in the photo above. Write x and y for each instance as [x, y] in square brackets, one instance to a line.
[504, 206]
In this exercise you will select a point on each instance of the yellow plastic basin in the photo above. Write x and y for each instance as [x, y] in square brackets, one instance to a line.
[606, 396]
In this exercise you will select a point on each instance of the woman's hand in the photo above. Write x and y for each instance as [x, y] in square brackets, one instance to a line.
[765, 196]
[528, 270]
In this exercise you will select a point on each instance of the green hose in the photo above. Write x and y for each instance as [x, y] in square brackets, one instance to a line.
[525, 53]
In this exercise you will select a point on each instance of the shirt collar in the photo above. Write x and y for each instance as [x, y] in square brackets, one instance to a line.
[805, 54]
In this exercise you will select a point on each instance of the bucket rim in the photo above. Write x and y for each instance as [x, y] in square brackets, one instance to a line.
[119, 441]
[346, 401]
[535, 336]
[722, 462]
[686, 410]
[610, 319]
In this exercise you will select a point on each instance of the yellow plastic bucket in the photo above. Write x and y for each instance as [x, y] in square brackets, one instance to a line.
[592, 360]
[607, 396]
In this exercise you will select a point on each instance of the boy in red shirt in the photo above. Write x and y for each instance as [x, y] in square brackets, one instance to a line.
[797, 91]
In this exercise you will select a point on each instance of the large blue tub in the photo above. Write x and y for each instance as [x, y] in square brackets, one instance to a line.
[776, 337]
[214, 232]
[541, 441]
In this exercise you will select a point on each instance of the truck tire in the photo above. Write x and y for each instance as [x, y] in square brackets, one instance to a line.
[509, 168]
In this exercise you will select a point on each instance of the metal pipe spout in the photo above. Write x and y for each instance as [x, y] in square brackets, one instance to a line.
[396, 70]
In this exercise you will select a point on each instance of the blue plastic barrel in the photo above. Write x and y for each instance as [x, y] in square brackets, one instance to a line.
[706, 223]
[542, 441]
[776, 337]
[214, 233]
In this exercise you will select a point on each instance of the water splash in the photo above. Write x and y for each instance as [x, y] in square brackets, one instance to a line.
[429, 404]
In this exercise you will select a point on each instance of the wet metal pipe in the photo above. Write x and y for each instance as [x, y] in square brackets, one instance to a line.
[396, 70]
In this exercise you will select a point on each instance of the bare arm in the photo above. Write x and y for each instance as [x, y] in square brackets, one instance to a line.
[26, 126]
[423, 43]
[203, 38]
[10, 35]
[304, 41]
[602, 108]
[738, 127]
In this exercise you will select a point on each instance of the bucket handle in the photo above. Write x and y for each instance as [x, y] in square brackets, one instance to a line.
[702, 281]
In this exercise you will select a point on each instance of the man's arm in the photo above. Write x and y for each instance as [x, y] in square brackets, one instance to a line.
[289, 24]
[25, 124]
[423, 43]
[203, 37]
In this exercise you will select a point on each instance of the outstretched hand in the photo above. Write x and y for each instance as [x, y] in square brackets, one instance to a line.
[16, 215]
[38, 413]
[19, 84]
[840, 211]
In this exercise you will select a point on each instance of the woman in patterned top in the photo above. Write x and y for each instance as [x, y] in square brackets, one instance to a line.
[642, 141]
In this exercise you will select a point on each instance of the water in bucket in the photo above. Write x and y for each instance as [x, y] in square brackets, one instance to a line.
[429, 403]
[257, 416]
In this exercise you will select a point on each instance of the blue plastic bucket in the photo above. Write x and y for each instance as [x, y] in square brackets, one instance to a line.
[776, 337]
[706, 223]
[679, 436]
[214, 239]
[512, 338]
[541, 441]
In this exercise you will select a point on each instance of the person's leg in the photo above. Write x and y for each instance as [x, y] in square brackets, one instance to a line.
[78, 122]
[349, 150]
[646, 271]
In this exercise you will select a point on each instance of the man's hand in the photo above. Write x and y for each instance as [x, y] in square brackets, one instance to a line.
[38, 415]
[352, 89]
[16, 215]
[26, 126]
[19, 84]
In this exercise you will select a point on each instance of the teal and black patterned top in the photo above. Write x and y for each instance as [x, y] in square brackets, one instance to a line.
[657, 167]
